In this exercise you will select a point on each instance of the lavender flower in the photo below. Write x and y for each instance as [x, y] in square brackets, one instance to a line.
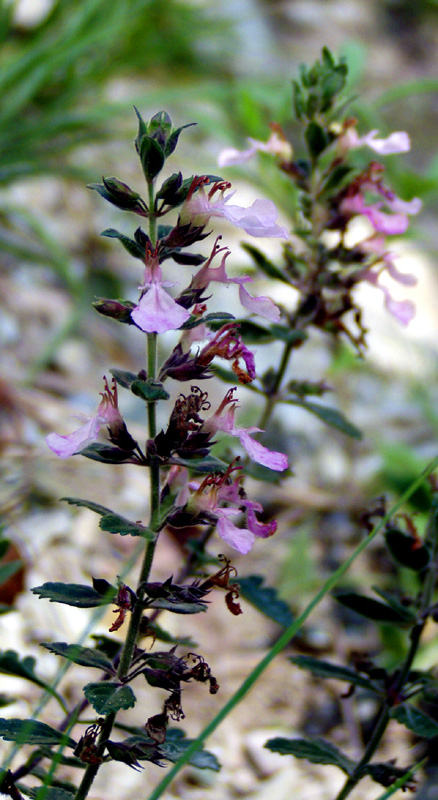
[107, 413]
[257, 220]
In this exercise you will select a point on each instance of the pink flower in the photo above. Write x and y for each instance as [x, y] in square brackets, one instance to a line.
[213, 492]
[107, 413]
[402, 310]
[397, 142]
[257, 220]
[276, 145]
[157, 311]
[263, 306]
[389, 215]
[223, 420]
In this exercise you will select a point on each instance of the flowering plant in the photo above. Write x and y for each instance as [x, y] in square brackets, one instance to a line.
[191, 488]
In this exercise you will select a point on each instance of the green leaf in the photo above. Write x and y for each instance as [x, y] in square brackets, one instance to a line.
[151, 391]
[85, 656]
[49, 793]
[78, 501]
[123, 377]
[215, 316]
[396, 604]
[373, 609]
[317, 751]
[265, 599]
[114, 523]
[72, 594]
[29, 731]
[204, 465]
[173, 139]
[176, 744]
[407, 550]
[265, 265]
[328, 415]
[151, 157]
[11, 664]
[9, 569]
[316, 139]
[414, 719]
[108, 697]
[324, 669]
[106, 454]
[133, 248]
[177, 608]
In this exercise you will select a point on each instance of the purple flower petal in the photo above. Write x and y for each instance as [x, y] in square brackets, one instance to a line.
[257, 220]
[263, 306]
[397, 142]
[261, 454]
[157, 311]
[240, 539]
[66, 446]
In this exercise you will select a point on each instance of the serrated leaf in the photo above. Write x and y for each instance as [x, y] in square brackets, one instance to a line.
[317, 751]
[29, 731]
[71, 594]
[331, 416]
[265, 599]
[414, 719]
[151, 391]
[114, 523]
[324, 669]
[176, 744]
[9, 569]
[85, 656]
[373, 609]
[12, 664]
[108, 697]
[79, 501]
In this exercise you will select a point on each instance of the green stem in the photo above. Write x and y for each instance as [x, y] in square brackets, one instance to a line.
[285, 638]
[425, 600]
[137, 612]
[272, 398]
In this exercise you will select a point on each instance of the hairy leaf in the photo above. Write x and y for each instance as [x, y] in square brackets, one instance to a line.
[108, 697]
[324, 669]
[29, 731]
[265, 599]
[317, 750]
[85, 656]
[414, 719]
[72, 594]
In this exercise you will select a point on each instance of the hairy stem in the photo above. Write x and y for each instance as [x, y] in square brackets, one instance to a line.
[137, 611]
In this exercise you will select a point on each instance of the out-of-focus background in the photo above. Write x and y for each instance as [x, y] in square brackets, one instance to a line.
[71, 72]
